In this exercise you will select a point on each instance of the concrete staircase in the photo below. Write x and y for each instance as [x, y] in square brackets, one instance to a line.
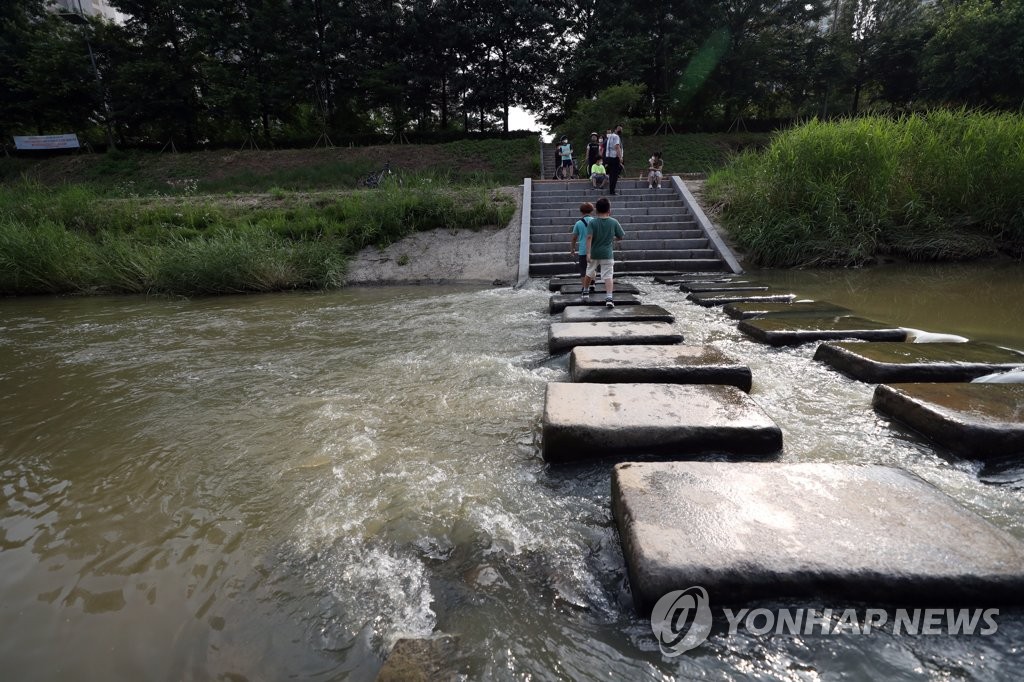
[662, 235]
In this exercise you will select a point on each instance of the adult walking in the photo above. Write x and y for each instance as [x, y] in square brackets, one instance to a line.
[613, 158]
[601, 233]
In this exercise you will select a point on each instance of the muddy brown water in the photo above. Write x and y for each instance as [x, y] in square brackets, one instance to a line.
[281, 486]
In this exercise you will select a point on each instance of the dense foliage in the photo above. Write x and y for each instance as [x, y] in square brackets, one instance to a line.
[77, 240]
[943, 186]
[297, 72]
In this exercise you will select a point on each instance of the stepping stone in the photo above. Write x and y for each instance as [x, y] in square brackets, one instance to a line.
[976, 421]
[821, 532]
[559, 302]
[748, 309]
[564, 336]
[718, 288]
[592, 421]
[617, 288]
[680, 279]
[879, 363]
[657, 364]
[792, 331]
[628, 313]
[710, 300]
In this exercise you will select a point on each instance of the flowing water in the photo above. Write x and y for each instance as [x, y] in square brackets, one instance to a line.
[282, 486]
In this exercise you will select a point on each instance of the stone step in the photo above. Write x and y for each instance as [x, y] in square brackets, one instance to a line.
[712, 300]
[575, 289]
[630, 223]
[630, 245]
[649, 212]
[719, 287]
[814, 533]
[594, 421]
[792, 331]
[558, 302]
[677, 278]
[564, 336]
[976, 421]
[629, 313]
[625, 254]
[890, 363]
[661, 364]
[563, 236]
[637, 267]
[747, 309]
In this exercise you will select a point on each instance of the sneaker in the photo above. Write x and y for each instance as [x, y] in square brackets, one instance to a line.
[609, 303]
[650, 186]
[585, 298]
[592, 289]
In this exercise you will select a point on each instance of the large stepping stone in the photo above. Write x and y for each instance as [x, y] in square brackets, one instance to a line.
[719, 288]
[657, 364]
[592, 421]
[822, 532]
[560, 302]
[617, 288]
[628, 313]
[792, 331]
[711, 300]
[414, 660]
[976, 421]
[748, 309]
[564, 336]
[879, 363]
[680, 277]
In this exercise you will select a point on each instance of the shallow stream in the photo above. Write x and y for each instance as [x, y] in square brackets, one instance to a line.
[281, 486]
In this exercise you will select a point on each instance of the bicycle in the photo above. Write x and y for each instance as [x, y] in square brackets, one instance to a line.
[384, 176]
[566, 172]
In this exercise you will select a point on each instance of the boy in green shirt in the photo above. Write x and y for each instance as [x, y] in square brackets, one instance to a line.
[601, 233]
[598, 174]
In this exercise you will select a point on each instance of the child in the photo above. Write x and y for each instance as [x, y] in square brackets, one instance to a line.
[578, 245]
[598, 174]
[565, 153]
[654, 166]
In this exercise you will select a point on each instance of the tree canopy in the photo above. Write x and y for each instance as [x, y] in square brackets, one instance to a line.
[293, 72]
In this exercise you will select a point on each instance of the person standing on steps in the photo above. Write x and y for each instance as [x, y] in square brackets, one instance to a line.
[602, 233]
[593, 152]
[578, 245]
[613, 157]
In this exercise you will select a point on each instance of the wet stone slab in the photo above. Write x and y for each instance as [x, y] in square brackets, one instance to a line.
[560, 302]
[564, 336]
[917, 362]
[675, 364]
[628, 313]
[617, 288]
[792, 331]
[757, 531]
[711, 300]
[719, 288]
[748, 309]
[976, 421]
[679, 278]
[592, 421]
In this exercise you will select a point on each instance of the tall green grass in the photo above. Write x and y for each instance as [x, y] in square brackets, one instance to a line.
[76, 240]
[940, 186]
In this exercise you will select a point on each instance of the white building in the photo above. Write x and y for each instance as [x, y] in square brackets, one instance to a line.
[92, 8]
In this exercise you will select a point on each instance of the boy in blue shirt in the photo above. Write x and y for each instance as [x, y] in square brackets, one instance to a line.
[578, 245]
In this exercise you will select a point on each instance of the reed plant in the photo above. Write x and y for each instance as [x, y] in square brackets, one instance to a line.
[76, 240]
[938, 186]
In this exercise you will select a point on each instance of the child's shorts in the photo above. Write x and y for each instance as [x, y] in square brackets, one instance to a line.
[607, 267]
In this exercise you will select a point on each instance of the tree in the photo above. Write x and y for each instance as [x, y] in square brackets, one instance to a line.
[975, 54]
